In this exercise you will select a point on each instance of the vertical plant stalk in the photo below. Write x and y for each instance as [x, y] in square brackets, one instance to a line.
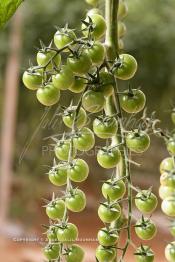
[113, 107]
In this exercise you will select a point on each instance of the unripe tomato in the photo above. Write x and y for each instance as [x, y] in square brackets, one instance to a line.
[145, 229]
[113, 189]
[167, 164]
[75, 253]
[67, 233]
[84, 139]
[99, 25]
[173, 116]
[105, 254]
[55, 209]
[48, 95]
[109, 212]
[93, 101]
[80, 65]
[32, 80]
[108, 157]
[171, 146]
[133, 102]
[52, 234]
[168, 179]
[52, 251]
[166, 191]
[107, 237]
[128, 67]
[105, 127]
[62, 149]
[106, 83]
[92, 2]
[48, 58]
[144, 254]
[122, 9]
[170, 252]
[64, 79]
[168, 206]
[69, 116]
[75, 200]
[121, 29]
[79, 85]
[94, 11]
[146, 201]
[138, 142]
[58, 175]
[96, 52]
[63, 38]
[78, 170]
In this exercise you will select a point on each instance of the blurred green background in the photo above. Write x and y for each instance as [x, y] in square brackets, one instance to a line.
[150, 38]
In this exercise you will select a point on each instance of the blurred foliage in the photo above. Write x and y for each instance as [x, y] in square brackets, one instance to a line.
[150, 38]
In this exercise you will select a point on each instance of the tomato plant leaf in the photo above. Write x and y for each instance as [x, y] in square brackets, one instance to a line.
[7, 9]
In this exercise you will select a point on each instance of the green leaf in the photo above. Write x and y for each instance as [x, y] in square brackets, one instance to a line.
[7, 9]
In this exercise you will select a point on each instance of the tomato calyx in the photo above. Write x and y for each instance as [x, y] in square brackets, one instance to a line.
[143, 223]
[144, 194]
[89, 26]
[144, 251]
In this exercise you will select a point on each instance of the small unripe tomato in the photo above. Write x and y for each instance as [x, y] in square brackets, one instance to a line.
[62, 149]
[171, 146]
[170, 252]
[113, 189]
[64, 79]
[106, 83]
[96, 52]
[168, 206]
[58, 175]
[78, 170]
[122, 9]
[108, 213]
[84, 139]
[146, 201]
[166, 191]
[144, 254]
[75, 200]
[133, 102]
[105, 127]
[138, 142]
[80, 65]
[127, 68]
[48, 58]
[167, 164]
[79, 85]
[121, 29]
[107, 237]
[48, 95]
[168, 179]
[108, 157]
[67, 233]
[105, 254]
[55, 209]
[32, 80]
[64, 37]
[52, 234]
[145, 229]
[75, 253]
[52, 251]
[69, 117]
[94, 11]
[93, 101]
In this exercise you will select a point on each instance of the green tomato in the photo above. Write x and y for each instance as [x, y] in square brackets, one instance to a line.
[92, 2]
[108, 157]
[170, 252]
[146, 201]
[75, 200]
[121, 29]
[75, 253]
[62, 149]
[144, 254]
[107, 237]
[168, 179]
[166, 191]
[32, 80]
[173, 116]
[55, 209]
[168, 206]
[122, 9]
[108, 213]
[52, 234]
[80, 65]
[138, 142]
[79, 85]
[98, 23]
[171, 146]
[105, 127]
[105, 254]
[48, 95]
[106, 83]
[70, 114]
[64, 37]
[93, 101]
[133, 102]
[78, 170]
[64, 79]
[84, 139]
[94, 11]
[127, 68]
[96, 52]
[67, 233]
[48, 58]
[113, 189]
[58, 175]
[167, 164]
[145, 229]
[52, 251]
